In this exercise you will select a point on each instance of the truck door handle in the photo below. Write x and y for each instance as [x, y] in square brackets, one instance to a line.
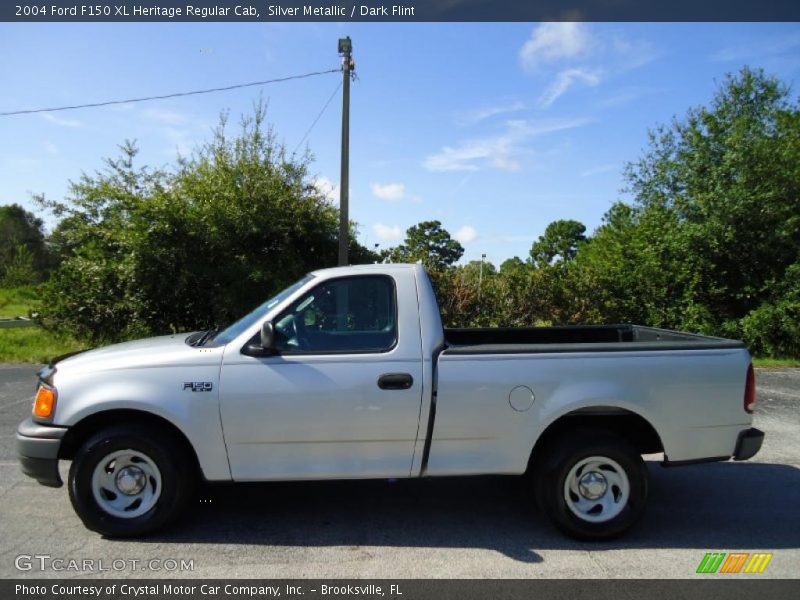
[395, 381]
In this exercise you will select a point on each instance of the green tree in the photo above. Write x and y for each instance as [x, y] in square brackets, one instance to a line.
[150, 251]
[713, 232]
[774, 327]
[20, 270]
[637, 260]
[559, 242]
[512, 265]
[20, 228]
[728, 176]
[428, 242]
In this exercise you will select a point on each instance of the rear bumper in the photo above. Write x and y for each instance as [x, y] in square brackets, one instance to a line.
[37, 450]
[748, 444]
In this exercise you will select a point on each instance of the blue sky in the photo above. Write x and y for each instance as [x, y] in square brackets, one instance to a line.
[493, 129]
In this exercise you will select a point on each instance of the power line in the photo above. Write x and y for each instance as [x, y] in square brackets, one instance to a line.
[164, 96]
[319, 116]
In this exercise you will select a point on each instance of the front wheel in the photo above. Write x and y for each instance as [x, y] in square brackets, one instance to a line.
[592, 485]
[130, 480]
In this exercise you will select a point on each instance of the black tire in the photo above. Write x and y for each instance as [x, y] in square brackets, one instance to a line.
[550, 472]
[174, 462]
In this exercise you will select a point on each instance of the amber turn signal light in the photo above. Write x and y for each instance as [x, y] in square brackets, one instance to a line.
[45, 402]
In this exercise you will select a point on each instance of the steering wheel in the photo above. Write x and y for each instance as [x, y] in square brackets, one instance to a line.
[299, 330]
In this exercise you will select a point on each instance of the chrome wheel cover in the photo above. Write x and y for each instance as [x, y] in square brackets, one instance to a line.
[126, 483]
[596, 489]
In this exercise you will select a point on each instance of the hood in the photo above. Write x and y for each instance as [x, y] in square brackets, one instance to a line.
[166, 350]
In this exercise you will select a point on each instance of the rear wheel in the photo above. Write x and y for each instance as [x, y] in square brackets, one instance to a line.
[130, 480]
[592, 485]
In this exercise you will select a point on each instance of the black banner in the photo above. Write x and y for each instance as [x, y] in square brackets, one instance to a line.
[401, 10]
[733, 588]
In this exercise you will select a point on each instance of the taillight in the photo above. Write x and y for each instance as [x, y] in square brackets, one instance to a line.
[750, 390]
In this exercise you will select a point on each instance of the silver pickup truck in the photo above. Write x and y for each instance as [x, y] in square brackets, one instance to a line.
[348, 374]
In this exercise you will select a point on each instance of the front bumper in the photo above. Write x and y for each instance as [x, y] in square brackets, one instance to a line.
[37, 450]
[748, 444]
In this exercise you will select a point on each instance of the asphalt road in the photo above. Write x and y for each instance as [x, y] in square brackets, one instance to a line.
[466, 527]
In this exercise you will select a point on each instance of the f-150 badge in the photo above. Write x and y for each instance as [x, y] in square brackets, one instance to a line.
[198, 386]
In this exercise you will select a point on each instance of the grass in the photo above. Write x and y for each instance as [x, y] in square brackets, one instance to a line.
[17, 302]
[33, 345]
[775, 363]
[28, 344]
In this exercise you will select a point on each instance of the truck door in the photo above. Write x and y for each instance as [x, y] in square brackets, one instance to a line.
[341, 398]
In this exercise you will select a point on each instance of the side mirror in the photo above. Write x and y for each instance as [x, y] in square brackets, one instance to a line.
[266, 345]
[267, 335]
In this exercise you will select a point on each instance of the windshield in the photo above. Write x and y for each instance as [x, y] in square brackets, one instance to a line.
[233, 331]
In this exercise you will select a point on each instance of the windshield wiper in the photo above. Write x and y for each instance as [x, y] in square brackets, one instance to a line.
[207, 336]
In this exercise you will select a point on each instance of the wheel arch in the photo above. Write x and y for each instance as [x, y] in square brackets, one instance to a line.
[77, 434]
[627, 424]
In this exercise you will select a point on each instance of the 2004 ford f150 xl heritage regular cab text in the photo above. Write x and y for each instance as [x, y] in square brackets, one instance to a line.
[349, 374]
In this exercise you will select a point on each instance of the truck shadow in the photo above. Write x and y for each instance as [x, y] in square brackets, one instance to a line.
[722, 505]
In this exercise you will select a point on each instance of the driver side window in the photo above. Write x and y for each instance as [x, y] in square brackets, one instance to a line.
[352, 314]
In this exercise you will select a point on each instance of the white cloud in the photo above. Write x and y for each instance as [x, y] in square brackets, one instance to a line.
[477, 115]
[328, 189]
[565, 80]
[555, 41]
[466, 234]
[63, 122]
[50, 147]
[461, 158]
[393, 191]
[388, 191]
[499, 151]
[385, 233]
[581, 56]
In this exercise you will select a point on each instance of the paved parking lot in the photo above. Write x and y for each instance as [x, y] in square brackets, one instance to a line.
[476, 527]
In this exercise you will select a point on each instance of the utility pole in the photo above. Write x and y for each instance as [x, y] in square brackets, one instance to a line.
[480, 277]
[348, 66]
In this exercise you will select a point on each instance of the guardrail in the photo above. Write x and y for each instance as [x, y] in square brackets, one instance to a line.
[17, 322]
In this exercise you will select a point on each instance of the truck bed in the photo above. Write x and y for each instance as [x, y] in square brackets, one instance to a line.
[582, 338]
